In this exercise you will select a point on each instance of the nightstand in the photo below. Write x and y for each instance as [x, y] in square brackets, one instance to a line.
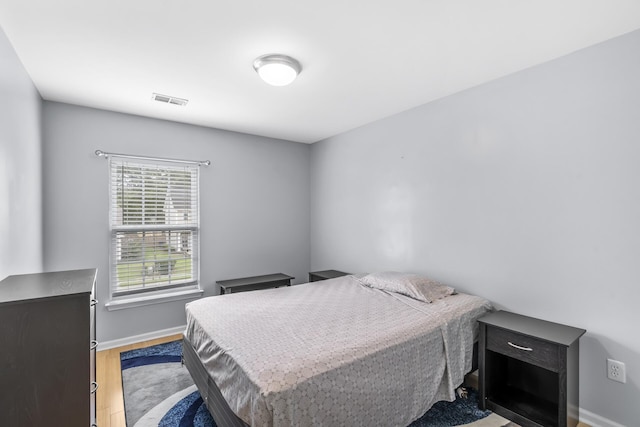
[528, 370]
[254, 283]
[315, 276]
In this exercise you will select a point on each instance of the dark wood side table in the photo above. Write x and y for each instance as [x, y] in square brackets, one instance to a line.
[315, 276]
[528, 369]
[254, 283]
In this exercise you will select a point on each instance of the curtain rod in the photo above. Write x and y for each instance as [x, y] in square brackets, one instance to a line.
[104, 154]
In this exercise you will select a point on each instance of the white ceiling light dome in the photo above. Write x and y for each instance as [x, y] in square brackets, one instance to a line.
[277, 70]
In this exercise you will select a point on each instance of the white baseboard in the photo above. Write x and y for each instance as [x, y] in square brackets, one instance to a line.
[142, 337]
[595, 420]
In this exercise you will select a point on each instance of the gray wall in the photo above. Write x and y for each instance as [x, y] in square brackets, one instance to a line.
[254, 205]
[524, 190]
[20, 169]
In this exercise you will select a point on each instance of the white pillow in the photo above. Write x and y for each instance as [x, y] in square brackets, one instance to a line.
[412, 285]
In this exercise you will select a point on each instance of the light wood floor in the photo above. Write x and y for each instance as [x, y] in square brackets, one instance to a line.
[109, 403]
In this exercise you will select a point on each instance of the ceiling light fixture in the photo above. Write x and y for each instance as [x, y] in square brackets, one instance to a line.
[277, 70]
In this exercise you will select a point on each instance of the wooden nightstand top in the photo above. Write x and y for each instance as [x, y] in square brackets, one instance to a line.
[254, 283]
[254, 280]
[542, 329]
[328, 274]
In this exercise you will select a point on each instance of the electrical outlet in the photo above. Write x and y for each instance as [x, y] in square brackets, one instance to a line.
[616, 371]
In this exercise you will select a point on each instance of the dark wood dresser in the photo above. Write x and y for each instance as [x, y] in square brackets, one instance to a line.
[47, 349]
[529, 369]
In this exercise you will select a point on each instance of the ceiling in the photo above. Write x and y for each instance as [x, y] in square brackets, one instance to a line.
[361, 60]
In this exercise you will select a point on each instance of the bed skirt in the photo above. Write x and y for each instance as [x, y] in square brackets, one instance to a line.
[211, 395]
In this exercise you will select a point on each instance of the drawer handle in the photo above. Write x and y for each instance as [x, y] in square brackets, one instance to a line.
[94, 302]
[94, 387]
[94, 345]
[519, 347]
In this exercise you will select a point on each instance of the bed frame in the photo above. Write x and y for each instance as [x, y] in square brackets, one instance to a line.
[218, 406]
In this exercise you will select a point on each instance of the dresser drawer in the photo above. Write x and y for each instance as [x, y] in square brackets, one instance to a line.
[523, 347]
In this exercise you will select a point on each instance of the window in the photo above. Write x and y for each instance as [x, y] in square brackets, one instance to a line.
[154, 228]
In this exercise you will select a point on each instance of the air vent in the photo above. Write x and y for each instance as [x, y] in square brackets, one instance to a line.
[169, 99]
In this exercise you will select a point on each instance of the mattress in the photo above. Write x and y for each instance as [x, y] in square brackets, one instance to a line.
[333, 352]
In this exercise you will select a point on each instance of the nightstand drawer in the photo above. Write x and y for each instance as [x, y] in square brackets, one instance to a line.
[523, 347]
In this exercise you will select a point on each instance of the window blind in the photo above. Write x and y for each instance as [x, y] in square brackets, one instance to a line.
[154, 226]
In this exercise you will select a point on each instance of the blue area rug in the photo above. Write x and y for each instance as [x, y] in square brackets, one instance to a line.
[186, 408]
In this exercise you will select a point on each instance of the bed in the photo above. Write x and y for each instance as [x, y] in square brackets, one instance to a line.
[346, 351]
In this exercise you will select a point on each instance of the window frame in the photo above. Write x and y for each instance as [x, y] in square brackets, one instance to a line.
[167, 290]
